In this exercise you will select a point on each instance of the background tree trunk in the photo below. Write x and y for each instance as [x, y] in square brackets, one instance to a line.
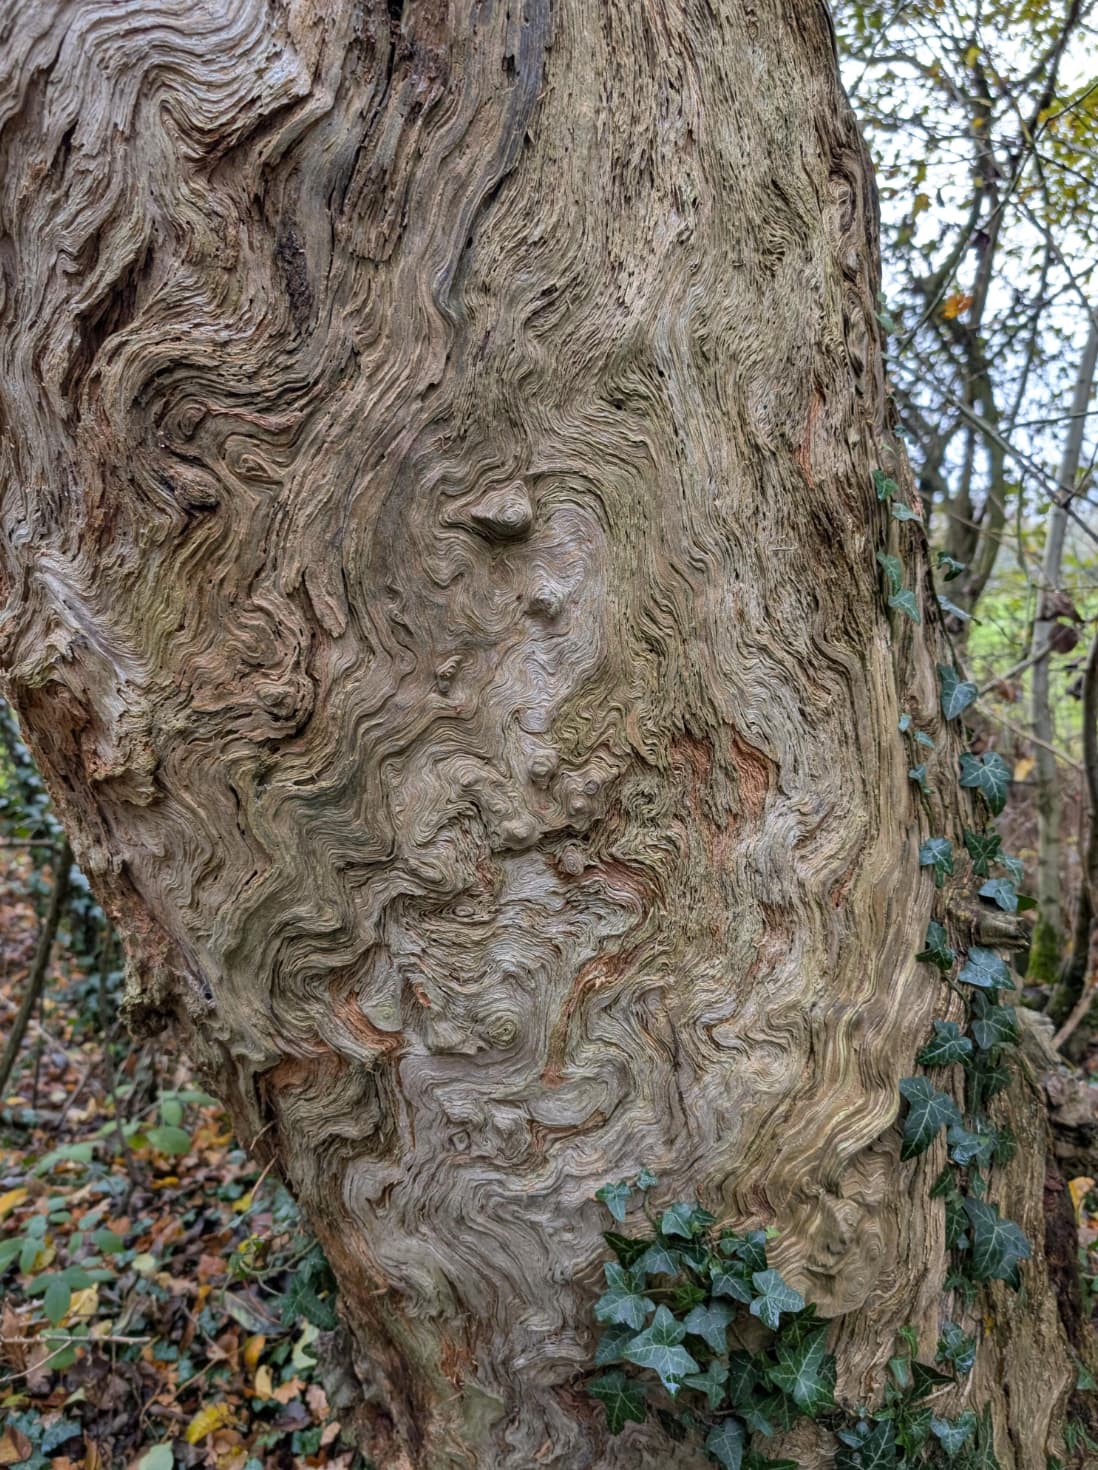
[439, 568]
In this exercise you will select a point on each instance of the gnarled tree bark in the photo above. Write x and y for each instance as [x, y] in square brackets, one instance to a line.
[438, 552]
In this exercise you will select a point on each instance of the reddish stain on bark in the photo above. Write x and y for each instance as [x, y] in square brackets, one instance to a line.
[597, 972]
[803, 453]
[349, 1013]
[756, 774]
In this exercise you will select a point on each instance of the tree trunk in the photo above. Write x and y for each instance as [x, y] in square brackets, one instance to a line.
[1046, 953]
[439, 540]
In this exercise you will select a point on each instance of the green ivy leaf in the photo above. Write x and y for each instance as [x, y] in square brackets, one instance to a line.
[1001, 891]
[658, 1347]
[611, 1345]
[627, 1249]
[954, 1434]
[922, 738]
[928, 1110]
[729, 1281]
[902, 512]
[950, 607]
[998, 1246]
[903, 724]
[912, 1429]
[657, 1261]
[988, 774]
[950, 566]
[710, 1323]
[624, 1300]
[967, 1147]
[983, 848]
[169, 1140]
[901, 1372]
[957, 693]
[875, 1448]
[937, 853]
[750, 1250]
[905, 601]
[956, 1224]
[57, 1299]
[615, 1197]
[884, 487]
[947, 1046]
[997, 1026]
[725, 1444]
[711, 1382]
[775, 1297]
[805, 1370]
[770, 1412]
[893, 570]
[918, 775]
[956, 1348]
[686, 1218]
[621, 1397]
[925, 1379]
[743, 1376]
[645, 1180]
[986, 970]
[937, 950]
[1014, 866]
[990, 1074]
[685, 1295]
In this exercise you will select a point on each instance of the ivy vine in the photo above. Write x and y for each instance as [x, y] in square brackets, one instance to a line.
[704, 1335]
[702, 1332]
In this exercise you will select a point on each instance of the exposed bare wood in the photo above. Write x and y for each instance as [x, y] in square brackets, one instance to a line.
[438, 561]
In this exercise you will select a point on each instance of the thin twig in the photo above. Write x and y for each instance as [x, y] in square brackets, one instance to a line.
[1017, 668]
[1060, 755]
[1079, 1010]
[37, 977]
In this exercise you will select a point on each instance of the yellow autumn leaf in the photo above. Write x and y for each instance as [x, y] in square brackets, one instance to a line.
[214, 1416]
[1079, 1189]
[921, 202]
[1023, 768]
[263, 1383]
[954, 305]
[972, 55]
[84, 1303]
[9, 1200]
[253, 1348]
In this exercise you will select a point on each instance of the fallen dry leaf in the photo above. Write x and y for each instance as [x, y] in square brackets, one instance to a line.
[14, 1446]
[207, 1420]
[286, 1392]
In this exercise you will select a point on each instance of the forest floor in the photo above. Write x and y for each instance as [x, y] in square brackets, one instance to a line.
[161, 1305]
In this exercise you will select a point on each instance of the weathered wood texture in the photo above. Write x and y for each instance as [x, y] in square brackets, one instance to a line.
[438, 561]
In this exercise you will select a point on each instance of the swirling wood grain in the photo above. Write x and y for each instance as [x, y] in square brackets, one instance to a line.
[438, 544]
